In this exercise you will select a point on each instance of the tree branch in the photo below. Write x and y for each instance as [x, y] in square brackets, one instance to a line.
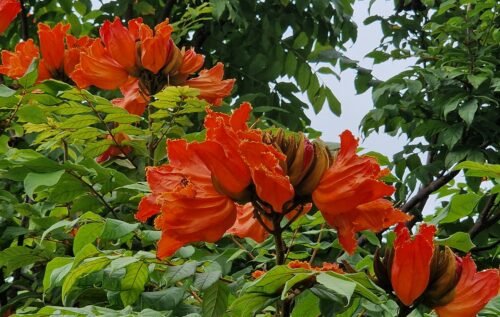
[423, 194]
[483, 221]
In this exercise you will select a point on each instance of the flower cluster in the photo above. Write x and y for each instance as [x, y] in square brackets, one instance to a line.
[418, 271]
[58, 54]
[136, 59]
[244, 181]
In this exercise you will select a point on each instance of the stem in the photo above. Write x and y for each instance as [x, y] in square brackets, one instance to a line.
[278, 240]
[24, 22]
[94, 192]
[315, 251]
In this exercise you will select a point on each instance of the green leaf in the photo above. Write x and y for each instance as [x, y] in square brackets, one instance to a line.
[79, 121]
[56, 263]
[300, 41]
[468, 110]
[144, 8]
[97, 148]
[338, 285]
[80, 271]
[18, 256]
[86, 234]
[180, 272]
[215, 300]
[132, 284]
[30, 76]
[35, 180]
[306, 304]
[115, 229]
[167, 299]
[459, 240]
[451, 135]
[6, 91]
[249, 304]
[333, 102]
[204, 280]
[122, 118]
[479, 169]
[461, 206]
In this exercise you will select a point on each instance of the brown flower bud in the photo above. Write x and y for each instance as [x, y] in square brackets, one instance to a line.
[320, 163]
[174, 61]
[306, 161]
[443, 278]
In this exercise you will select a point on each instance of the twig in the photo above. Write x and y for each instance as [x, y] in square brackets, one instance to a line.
[482, 220]
[94, 192]
[423, 194]
[294, 235]
[315, 251]
[242, 247]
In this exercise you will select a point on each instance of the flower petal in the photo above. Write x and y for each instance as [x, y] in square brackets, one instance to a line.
[212, 88]
[473, 291]
[247, 226]
[349, 194]
[8, 12]
[191, 209]
[411, 265]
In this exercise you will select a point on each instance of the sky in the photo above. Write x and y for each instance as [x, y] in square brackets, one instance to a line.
[354, 106]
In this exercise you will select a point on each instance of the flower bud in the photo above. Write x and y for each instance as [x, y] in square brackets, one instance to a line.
[306, 161]
[174, 61]
[443, 279]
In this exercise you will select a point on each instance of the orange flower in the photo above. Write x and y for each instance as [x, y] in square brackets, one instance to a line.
[296, 264]
[15, 64]
[191, 62]
[411, 267]
[334, 267]
[97, 68]
[258, 273]
[52, 46]
[72, 53]
[8, 12]
[349, 195]
[237, 157]
[189, 207]
[247, 226]
[115, 150]
[120, 44]
[473, 291]
[133, 99]
[212, 87]
[155, 47]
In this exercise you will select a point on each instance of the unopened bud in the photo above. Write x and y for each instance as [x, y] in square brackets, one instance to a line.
[443, 278]
[174, 62]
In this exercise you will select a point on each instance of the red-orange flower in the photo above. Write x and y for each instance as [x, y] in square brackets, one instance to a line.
[156, 46]
[237, 157]
[212, 88]
[97, 68]
[133, 99]
[258, 273]
[52, 46]
[191, 62]
[411, 267]
[115, 150]
[473, 291]
[120, 44]
[350, 196]
[8, 12]
[189, 207]
[15, 64]
[247, 226]
[326, 267]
